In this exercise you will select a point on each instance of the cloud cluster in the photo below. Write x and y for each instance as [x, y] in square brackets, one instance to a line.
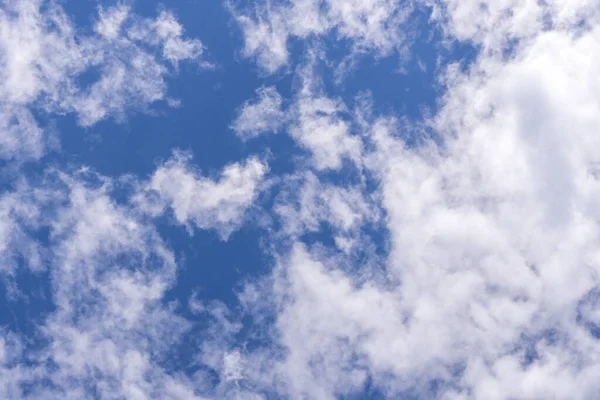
[373, 26]
[463, 265]
[499, 24]
[490, 282]
[47, 64]
[314, 120]
[107, 331]
[111, 333]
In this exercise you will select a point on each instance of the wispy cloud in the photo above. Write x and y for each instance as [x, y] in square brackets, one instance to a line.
[44, 59]
[371, 26]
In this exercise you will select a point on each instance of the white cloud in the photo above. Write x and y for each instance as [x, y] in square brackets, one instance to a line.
[39, 51]
[489, 288]
[43, 57]
[200, 201]
[175, 48]
[12, 373]
[493, 24]
[21, 138]
[263, 115]
[131, 76]
[305, 203]
[20, 211]
[111, 331]
[315, 121]
[232, 368]
[109, 272]
[372, 26]
[320, 129]
[320, 124]
[490, 284]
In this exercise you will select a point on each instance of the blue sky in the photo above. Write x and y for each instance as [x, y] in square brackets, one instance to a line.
[299, 199]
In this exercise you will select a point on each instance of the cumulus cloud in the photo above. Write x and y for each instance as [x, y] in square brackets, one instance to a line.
[495, 24]
[490, 282]
[20, 211]
[44, 57]
[109, 322]
[370, 26]
[264, 115]
[110, 331]
[462, 266]
[315, 121]
[200, 201]
[108, 319]
[305, 204]
[22, 138]
[321, 129]
[131, 75]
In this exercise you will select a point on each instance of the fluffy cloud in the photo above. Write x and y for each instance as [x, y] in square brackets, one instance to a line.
[315, 121]
[44, 57]
[110, 332]
[304, 205]
[132, 76]
[263, 115]
[461, 266]
[490, 283]
[107, 319]
[495, 24]
[201, 201]
[370, 26]
[20, 211]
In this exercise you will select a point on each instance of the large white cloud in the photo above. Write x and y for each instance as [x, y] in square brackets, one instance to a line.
[490, 285]
[108, 272]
